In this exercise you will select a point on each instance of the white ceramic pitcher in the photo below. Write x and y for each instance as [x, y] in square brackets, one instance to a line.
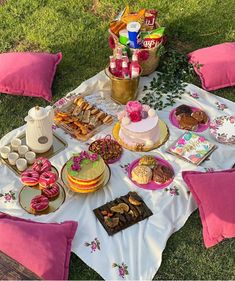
[39, 135]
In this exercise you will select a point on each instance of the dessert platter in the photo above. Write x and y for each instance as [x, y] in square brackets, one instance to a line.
[81, 119]
[122, 212]
[41, 193]
[151, 172]
[139, 128]
[222, 129]
[85, 172]
[189, 118]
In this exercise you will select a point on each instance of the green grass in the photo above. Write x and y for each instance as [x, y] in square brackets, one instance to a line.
[79, 30]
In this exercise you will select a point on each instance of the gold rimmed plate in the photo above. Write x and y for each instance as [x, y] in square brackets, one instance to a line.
[107, 175]
[27, 193]
[164, 136]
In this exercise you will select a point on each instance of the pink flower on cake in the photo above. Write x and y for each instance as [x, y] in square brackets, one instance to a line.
[145, 107]
[133, 106]
[94, 157]
[135, 116]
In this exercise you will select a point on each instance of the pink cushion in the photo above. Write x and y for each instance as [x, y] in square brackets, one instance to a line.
[218, 65]
[28, 74]
[44, 248]
[214, 193]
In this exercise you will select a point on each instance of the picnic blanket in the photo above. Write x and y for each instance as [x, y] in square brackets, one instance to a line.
[136, 252]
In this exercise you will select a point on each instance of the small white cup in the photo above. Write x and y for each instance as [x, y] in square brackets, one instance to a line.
[21, 164]
[4, 151]
[30, 156]
[12, 157]
[22, 149]
[15, 143]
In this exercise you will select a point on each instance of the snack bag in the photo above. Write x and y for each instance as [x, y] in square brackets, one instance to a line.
[151, 38]
[150, 18]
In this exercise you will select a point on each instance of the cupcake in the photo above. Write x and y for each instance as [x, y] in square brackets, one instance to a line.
[141, 174]
[148, 160]
[162, 174]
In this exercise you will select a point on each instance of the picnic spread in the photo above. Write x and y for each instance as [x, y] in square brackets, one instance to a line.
[119, 166]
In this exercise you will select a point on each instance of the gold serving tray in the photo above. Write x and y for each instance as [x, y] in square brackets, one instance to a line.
[27, 193]
[58, 145]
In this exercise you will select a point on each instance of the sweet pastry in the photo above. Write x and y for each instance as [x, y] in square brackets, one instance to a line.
[85, 172]
[162, 174]
[182, 109]
[200, 116]
[46, 179]
[41, 165]
[30, 177]
[51, 191]
[148, 160]
[139, 126]
[39, 203]
[141, 174]
[188, 123]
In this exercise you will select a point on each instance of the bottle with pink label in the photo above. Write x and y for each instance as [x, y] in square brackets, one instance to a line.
[134, 66]
[119, 62]
[125, 70]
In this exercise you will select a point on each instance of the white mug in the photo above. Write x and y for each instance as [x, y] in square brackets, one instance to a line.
[22, 149]
[12, 157]
[15, 143]
[4, 151]
[30, 156]
[21, 164]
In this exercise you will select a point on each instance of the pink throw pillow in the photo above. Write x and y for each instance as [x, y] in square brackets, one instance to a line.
[44, 248]
[214, 193]
[218, 65]
[28, 74]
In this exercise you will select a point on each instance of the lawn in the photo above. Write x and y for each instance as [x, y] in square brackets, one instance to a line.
[79, 30]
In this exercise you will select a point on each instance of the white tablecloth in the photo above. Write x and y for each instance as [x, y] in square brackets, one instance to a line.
[136, 252]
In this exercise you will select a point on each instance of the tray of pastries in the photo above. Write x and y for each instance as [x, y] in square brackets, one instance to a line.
[82, 119]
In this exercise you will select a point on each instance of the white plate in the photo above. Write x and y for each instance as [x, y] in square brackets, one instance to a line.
[223, 129]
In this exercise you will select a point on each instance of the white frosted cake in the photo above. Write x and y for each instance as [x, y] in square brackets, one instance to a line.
[139, 126]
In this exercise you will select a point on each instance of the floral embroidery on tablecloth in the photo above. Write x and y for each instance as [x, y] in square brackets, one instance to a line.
[8, 196]
[173, 190]
[94, 245]
[125, 167]
[122, 269]
[54, 127]
[221, 106]
[194, 95]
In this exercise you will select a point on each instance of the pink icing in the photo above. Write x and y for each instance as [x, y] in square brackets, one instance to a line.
[41, 165]
[30, 177]
[39, 203]
[47, 178]
[133, 106]
[51, 191]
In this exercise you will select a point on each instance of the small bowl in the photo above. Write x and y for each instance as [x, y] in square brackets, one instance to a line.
[30, 156]
[12, 157]
[4, 151]
[15, 143]
[22, 149]
[21, 164]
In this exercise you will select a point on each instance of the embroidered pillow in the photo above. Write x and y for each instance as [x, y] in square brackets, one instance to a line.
[28, 74]
[214, 193]
[44, 248]
[218, 65]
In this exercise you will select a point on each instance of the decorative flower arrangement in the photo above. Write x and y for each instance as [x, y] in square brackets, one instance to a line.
[84, 155]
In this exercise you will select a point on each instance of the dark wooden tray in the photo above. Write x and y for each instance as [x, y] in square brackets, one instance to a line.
[126, 219]
[58, 145]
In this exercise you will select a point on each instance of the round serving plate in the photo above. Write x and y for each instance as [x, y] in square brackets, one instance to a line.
[222, 128]
[152, 185]
[175, 122]
[164, 136]
[27, 193]
[106, 178]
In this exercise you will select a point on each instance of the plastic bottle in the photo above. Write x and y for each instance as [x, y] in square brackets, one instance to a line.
[125, 70]
[134, 66]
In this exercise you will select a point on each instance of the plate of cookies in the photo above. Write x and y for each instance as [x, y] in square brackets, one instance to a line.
[151, 172]
[81, 118]
[189, 118]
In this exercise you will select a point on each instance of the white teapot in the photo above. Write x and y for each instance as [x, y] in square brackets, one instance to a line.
[39, 135]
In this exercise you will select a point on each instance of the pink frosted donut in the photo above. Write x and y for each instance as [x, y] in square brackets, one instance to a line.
[46, 179]
[30, 177]
[41, 165]
[51, 191]
[39, 203]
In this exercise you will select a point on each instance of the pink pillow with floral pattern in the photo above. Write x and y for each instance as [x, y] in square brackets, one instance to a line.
[217, 68]
[28, 74]
[214, 193]
[44, 248]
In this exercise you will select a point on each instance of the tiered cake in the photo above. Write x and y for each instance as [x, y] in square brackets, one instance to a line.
[85, 172]
[139, 126]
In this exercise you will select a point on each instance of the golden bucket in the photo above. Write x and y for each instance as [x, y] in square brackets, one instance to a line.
[123, 90]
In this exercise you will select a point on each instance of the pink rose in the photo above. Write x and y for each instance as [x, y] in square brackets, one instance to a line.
[145, 107]
[135, 116]
[133, 106]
